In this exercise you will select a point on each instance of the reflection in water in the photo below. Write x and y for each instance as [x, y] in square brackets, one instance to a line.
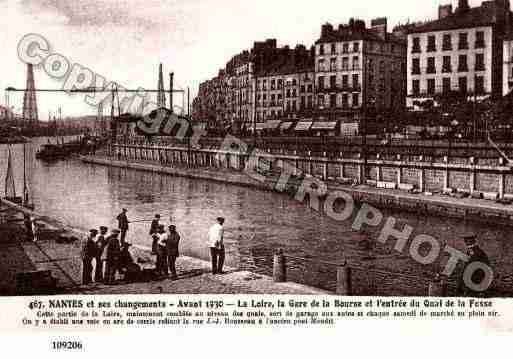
[257, 222]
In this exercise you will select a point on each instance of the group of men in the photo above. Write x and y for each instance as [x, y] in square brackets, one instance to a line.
[165, 247]
[107, 253]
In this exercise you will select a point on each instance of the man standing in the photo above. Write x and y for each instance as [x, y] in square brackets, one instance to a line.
[476, 255]
[172, 250]
[123, 224]
[215, 242]
[111, 255]
[88, 253]
[101, 243]
[162, 238]
[154, 229]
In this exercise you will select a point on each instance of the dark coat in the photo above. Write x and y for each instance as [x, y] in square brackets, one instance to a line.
[113, 249]
[122, 221]
[88, 249]
[154, 228]
[172, 244]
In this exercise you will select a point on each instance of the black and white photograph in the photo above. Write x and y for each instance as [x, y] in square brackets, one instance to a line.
[329, 149]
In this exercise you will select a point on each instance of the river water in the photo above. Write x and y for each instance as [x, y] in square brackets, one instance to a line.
[257, 223]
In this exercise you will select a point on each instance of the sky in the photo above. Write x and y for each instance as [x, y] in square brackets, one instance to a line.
[125, 40]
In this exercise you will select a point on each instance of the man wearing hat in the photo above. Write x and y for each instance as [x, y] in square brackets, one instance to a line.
[154, 229]
[123, 224]
[216, 244]
[111, 256]
[88, 253]
[101, 243]
[173, 241]
[476, 255]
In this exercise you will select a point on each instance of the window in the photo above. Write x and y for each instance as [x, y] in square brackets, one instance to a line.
[321, 65]
[288, 93]
[294, 93]
[310, 88]
[333, 100]
[280, 83]
[294, 82]
[303, 102]
[302, 88]
[345, 81]
[415, 87]
[279, 96]
[345, 100]
[480, 62]
[356, 62]
[447, 67]
[321, 49]
[479, 85]
[447, 42]
[431, 68]
[264, 86]
[431, 47]
[345, 63]
[356, 100]
[320, 100]
[345, 48]
[333, 49]
[415, 68]
[310, 101]
[463, 42]
[273, 84]
[416, 45]
[294, 105]
[462, 83]
[431, 86]
[446, 84]
[333, 82]
[356, 81]
[321, 82]
[333, 64]
[356, 47]
[463, 65]
[480, 43]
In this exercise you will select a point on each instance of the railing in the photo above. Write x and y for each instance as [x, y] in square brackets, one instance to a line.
[351, 279]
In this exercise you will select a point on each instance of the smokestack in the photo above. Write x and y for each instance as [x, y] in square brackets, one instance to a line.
[444, 11]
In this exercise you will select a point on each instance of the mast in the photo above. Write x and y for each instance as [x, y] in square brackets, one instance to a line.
[10, 188]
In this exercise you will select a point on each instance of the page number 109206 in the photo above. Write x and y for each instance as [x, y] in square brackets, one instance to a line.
[63, 345]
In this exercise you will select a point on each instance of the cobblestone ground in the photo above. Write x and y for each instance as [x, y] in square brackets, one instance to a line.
[18, 254]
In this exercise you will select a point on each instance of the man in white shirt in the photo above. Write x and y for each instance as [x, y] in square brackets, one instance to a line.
[215, 242]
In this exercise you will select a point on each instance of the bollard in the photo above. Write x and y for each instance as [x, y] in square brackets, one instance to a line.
[344, 281]
[279, 268]
[437, 288]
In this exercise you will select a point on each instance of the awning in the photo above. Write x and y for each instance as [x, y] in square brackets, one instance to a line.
[324, 125]
[303, 125]
[273, 124]
[260, 126]
[286, 125]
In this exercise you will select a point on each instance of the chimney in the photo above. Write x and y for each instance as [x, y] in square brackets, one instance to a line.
[462, 5]
[444, 11]
[326, 30]
[379, 26]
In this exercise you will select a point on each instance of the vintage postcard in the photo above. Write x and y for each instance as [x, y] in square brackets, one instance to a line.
[321, 167]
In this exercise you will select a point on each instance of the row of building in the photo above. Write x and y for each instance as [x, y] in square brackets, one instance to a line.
[353, 70]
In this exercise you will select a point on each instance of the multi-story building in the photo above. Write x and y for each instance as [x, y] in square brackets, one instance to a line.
[507, 81]
[356, 65]
[210, 106]
[285, 85]
[463, 52]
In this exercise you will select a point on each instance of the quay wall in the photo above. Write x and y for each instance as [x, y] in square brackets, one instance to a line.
[426, 174]
[227, 167]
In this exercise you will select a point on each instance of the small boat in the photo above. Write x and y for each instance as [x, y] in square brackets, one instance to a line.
[51, 152]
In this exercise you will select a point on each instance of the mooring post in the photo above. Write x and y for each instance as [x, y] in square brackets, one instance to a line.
[279, 267]
[344, 281]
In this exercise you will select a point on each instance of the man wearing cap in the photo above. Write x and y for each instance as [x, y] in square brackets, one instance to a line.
[476, 255]
[154, 229]
[111, 256]
[88, 253]
[123, 224]
[216, 244]
[173, 240]
[101, 243]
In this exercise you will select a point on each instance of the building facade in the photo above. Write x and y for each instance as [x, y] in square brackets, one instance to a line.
[356, 66]
[462, 52]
